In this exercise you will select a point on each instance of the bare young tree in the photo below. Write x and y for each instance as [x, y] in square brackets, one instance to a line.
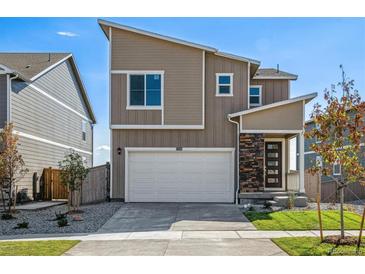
[340, 127]
[11, 162]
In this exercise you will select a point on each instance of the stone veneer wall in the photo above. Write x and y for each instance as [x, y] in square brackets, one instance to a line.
[251, 162]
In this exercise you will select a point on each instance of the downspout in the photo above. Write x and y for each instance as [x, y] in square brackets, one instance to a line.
[9, 96]
[237, 159]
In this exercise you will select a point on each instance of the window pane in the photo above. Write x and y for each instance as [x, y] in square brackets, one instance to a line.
[272, 163]
[136, 85]
[272, 146]
[224, 79]
[272, 171]
[254, 100]
[153, 86]
[272, 155]
[224, 89]
[254, 91]
[272, 180]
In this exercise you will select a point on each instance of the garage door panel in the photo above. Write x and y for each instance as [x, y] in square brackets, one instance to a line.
[180, 176]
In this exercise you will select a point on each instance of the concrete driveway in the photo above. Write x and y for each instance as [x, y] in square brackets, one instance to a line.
[159, 229]
[136, 217]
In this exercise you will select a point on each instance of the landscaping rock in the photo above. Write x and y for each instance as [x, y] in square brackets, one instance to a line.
[300, 201]
[43, 221]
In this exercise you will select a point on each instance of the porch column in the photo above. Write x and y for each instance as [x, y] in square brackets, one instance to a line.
[301, 162]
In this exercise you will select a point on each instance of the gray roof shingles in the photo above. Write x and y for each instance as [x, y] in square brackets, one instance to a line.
[271, 73]
[29, 65]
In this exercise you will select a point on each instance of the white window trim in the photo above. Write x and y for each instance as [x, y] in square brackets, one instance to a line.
[217, 85]
[260, 96]
[138, 72]
[333, 169]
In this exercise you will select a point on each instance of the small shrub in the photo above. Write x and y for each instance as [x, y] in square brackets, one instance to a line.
[291, 200]
[349, 208]
[62, 222]
[251, 208]
[22, 225]
[7, 216]
[60, 216]
[267, 205]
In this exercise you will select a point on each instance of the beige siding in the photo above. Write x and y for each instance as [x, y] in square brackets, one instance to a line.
[286, 117]
[273, 90]
[3, 100]
[37, 156]
[120, 115]
[183, 74]
[218, 132]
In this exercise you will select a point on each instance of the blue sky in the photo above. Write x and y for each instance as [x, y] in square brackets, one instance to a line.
[313, 48]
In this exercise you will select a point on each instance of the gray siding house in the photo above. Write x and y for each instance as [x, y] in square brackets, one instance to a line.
[192, 124]
[43, 95]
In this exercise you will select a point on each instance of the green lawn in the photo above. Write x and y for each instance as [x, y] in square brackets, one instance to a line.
[302, 220]
[35, 248]
[312, 246]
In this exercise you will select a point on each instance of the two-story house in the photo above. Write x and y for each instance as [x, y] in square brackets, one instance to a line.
[192, 124]
[42, 94]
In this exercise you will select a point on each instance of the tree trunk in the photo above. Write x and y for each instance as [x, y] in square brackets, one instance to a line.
[361, 228]
[342, 194]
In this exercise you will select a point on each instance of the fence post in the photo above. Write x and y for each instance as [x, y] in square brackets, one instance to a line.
[51, 182]
[108, 198]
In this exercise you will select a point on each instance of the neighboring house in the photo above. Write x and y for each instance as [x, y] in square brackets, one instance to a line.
[328, 184]
[43, 96]
[192, 124]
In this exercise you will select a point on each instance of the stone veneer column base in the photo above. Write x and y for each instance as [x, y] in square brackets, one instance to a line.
[251, 162]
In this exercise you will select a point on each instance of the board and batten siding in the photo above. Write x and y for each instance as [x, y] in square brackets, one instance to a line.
[273, 90]
[218, 132]
[183, 78]
[3, 100]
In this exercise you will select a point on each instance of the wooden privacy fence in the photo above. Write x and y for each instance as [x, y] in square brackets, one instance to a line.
[96, 187]
[329, 193]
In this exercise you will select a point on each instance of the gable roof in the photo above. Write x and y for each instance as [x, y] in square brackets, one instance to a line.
[306, 98]
[104, 23]
[31, 66]
[271, 73]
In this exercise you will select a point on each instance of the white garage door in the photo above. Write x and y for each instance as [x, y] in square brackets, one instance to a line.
[180, 176]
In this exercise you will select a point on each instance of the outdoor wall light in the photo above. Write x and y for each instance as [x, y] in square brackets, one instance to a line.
[119, 150]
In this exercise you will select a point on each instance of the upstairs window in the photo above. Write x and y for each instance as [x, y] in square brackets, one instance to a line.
[255, 96]
[145, 91]
[83, 129]
[337, 168]
[224, 84]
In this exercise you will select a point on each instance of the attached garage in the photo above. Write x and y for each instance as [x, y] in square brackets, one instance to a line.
[187, 175]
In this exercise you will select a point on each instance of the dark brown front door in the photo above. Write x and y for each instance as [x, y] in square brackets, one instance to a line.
[273, 165]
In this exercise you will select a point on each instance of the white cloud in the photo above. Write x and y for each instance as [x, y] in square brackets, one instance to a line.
[67, 33]
[103, 147]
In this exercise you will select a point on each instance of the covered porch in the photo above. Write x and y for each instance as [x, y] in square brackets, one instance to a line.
[271, 149]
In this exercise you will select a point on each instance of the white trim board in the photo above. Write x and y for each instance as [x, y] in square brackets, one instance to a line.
[43, 140]
[110, 114]
[59, 102]
[115, 126]
[283, 131]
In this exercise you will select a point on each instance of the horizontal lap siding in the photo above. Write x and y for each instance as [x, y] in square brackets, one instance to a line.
[37, 156]
[120, 115]
[273, 90]
[35, 114]
[218, 132]
[61, 83]
[3, 100]
[183, 77]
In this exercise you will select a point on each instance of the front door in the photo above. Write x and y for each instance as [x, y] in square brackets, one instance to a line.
[273, 165]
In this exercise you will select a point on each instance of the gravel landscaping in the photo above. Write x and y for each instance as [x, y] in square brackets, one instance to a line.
[43, 221]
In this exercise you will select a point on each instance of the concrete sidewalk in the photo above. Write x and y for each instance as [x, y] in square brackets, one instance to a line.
[176, 235]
